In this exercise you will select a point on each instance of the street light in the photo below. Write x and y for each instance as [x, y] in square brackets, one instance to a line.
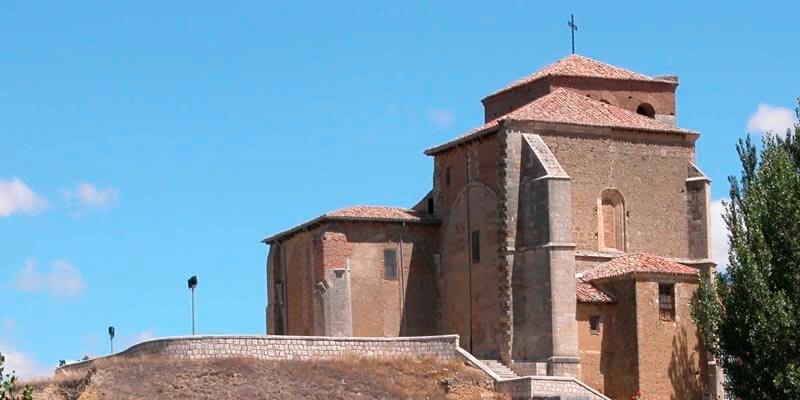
[192, 285]
[111, 335]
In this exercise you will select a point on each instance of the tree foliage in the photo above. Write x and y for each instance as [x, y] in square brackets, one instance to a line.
[9, 390]
[749, 316]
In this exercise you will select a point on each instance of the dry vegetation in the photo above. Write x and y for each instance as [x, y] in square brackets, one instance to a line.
[242, 378]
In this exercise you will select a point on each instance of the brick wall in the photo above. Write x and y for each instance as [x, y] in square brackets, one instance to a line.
[672, 362]
[624, 94]
[386, 307]
[471, 298]
[650, 172]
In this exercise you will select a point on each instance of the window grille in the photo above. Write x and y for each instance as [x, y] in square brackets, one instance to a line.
[666, 304]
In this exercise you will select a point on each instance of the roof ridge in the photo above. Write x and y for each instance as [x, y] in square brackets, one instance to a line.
[579, 65]
[362, 213]
[591, 112]
[644, 263]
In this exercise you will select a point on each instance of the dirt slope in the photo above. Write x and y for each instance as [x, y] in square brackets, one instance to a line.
[241, 378]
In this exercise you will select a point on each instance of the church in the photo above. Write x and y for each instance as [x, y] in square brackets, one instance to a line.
[565, 236]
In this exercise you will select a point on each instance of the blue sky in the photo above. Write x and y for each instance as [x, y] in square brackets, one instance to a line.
[144, 142]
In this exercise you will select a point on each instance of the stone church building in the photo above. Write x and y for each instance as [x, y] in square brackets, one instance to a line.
[564, 236]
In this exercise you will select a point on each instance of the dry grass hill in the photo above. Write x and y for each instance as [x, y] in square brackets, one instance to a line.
[243, 378]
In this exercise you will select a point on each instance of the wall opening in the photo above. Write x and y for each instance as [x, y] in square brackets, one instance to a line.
[476, 246]
[594, 324]
[611, 220]
[666, 305]
[430, 205]
[390, 264]
[647, 110]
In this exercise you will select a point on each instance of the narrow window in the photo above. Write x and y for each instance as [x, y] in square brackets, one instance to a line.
[447, 176]
[666, 304]
[476, 246]
[390, 264]
[430, 205]
[279, 293]
[594, 324]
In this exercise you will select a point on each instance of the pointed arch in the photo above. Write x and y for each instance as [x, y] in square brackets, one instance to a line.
[611, 221]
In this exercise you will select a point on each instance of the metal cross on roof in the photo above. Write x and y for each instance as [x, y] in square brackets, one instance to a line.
[572, 28]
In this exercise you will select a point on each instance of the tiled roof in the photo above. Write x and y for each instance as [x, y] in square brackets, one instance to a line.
[378, 213]
[565, 106]
[482, 130]
[577, 65]
[362, 213]
[637, 263]
[588, 293]
[570, 107]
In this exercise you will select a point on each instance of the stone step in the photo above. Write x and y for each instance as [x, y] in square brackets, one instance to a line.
[500, 369]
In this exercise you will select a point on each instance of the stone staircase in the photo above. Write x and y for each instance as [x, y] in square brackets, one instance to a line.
[500, 369]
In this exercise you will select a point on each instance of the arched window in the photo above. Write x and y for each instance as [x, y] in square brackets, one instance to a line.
[647, 110]
[611, 220]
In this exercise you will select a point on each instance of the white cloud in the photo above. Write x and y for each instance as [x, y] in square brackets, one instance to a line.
[441, 118]
[24, 365]
[17, 197]
[719, 235]
[88, 194]
[63, 279]
[775, 120]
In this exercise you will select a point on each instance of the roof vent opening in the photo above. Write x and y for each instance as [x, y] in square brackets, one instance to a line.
[647, 110]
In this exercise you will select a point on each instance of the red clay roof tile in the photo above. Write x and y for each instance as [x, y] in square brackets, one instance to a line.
[568, 107]
[361, 213]
[588, 293]
[577, 65]
[378, 213]
[637, 263]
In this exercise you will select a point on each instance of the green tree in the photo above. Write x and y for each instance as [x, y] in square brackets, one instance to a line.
[749, 315]
[9, 390]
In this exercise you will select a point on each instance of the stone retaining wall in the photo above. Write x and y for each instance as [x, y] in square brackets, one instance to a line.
[543, 386]
[284, 348]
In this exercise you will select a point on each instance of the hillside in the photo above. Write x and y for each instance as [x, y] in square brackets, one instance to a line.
[243, 378]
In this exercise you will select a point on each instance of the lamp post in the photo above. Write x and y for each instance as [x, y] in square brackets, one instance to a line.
[192, 285]
[111, 336]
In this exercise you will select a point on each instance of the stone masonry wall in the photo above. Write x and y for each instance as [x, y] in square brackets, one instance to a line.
[530, 386]
[284, 348]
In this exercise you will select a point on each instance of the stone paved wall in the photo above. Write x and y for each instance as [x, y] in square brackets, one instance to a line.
[532, 386]
[285, 347]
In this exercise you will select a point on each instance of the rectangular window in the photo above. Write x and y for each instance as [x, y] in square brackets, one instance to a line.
[666, 304]
[430, 205]
[447, 176]
[476, 246]
[594, 324]
[279, 293]
[390, 264]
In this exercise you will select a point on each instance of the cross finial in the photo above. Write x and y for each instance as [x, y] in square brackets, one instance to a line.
[572, 28]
